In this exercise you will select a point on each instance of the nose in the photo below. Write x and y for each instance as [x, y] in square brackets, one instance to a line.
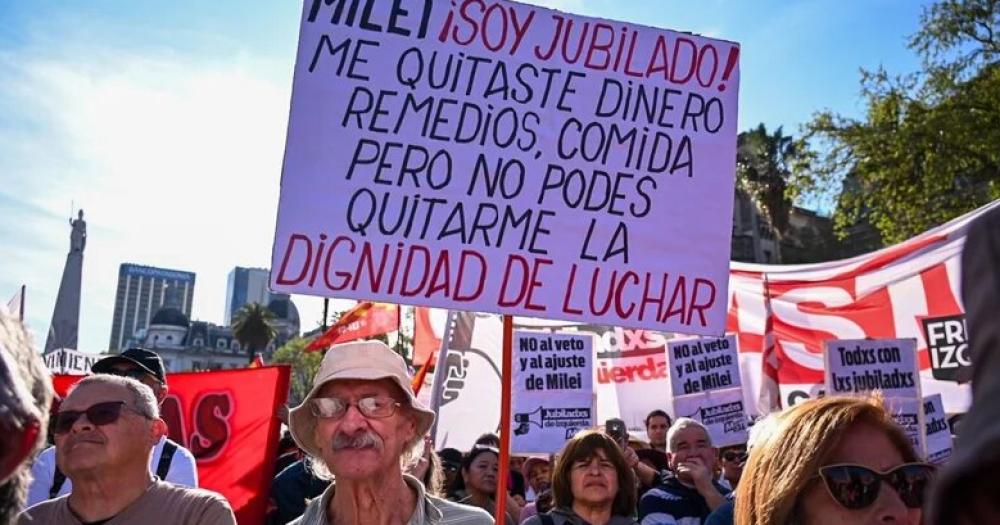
[353, 420]
[891, 509]
[82, 424]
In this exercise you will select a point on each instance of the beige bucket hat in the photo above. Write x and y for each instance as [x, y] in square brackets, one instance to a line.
[365, 360]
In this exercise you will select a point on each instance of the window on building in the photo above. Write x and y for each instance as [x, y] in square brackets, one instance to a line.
[235, 346]
[170, 338]
[196, 365]
[220, 343]
[199, 341]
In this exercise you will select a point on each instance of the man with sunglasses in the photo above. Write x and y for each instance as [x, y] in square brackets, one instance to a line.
[105, 431]
[171, 462]
[359, 420]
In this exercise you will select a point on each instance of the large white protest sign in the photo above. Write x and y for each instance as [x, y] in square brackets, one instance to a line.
[721, 411]
[553, 389]
[861, 366]
[939, 442]
[72, 362]
[501, 157]
[701, 365]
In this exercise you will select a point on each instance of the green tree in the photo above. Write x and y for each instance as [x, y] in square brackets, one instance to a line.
[253, 328]
[928, 146]
[304, 367]
[765, 163]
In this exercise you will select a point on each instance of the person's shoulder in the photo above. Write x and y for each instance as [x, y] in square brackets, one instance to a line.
[41, 513]
[165, 490]
[452, 512]
[181, 451]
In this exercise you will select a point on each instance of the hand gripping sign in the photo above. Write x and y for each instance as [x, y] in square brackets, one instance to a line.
[499, 157]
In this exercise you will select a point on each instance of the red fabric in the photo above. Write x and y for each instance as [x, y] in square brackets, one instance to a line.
[425, 341]
[418, 380]
[226, 418]
[365, 320]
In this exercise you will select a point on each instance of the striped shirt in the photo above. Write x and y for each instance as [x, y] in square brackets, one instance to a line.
[672, 503]
[429, 510]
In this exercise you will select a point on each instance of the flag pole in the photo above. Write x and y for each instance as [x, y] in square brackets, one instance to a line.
[505, 395]
[326, 308]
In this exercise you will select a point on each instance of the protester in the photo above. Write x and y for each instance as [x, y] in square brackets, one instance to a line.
[592, 484]
[451, 463]
[427, 468]
[170, 461]
[760, 431]
[657, 424]
[516, 486]
[967, 491]
[655, 461]
[25, 397]
[476, 484]
[690, 495]
[105, 432]
[538, 473]
[292, 489]
[733, 458]
[359, 422]
[833, 460]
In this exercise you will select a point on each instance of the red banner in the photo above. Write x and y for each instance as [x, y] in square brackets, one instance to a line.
[365, 320]
[226, 418]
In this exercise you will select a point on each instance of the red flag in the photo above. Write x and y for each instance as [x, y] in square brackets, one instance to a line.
[418, 380]
[427, 332]
[227, 419]
[365, 320]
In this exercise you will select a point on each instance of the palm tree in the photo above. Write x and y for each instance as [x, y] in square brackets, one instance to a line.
[764, 168]
[252, 327]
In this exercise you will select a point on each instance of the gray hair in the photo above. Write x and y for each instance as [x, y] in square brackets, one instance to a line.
[680, 424]
[143, 399]
[25, 397]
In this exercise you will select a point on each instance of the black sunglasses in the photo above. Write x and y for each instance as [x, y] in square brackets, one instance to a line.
[99, 414]
[733, 455]
[857, 487]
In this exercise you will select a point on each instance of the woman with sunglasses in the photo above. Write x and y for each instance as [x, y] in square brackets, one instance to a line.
[833, 460]
[476, 483]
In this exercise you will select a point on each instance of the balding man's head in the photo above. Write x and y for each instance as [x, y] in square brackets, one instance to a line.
[106, 424]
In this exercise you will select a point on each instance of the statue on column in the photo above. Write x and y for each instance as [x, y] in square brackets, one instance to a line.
[65, 327]
[78, 237]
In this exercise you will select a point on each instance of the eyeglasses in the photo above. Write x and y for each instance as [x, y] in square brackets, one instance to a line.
[734, 456]
[371, 406]
[857, 487]
[99, 414]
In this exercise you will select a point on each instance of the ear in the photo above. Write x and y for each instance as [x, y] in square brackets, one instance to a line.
[158, 429]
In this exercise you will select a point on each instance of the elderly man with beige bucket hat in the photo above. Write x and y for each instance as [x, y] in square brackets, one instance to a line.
[360, 421]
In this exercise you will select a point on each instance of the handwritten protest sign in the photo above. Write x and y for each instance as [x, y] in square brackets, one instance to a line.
[721, 411]
[856, 366]
[861, 366]
[701, 365]
[499, 157]
[939, 442]
[553, 389]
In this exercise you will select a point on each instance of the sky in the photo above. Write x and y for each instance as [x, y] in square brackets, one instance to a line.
[165, 122]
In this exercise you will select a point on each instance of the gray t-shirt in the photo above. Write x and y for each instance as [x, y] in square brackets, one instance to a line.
[429, 510]
[162, 503]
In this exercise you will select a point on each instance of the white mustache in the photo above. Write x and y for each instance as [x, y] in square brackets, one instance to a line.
[362, 440]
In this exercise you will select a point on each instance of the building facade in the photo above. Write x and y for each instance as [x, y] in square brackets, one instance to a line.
[245, 286]
[142, 291]
[186, 345]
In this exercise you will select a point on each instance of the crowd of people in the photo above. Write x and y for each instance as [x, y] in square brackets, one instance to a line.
[359, 452]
